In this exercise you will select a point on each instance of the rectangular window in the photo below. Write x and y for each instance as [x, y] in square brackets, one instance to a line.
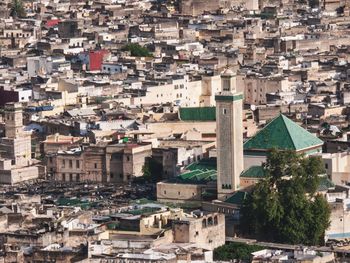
[95, 165]
[78, 164]
[70, 163]
[224, 111]
[226, 85]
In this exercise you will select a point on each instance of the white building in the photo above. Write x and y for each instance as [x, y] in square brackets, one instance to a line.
[46, 65]
[182, 92]
[113, 68]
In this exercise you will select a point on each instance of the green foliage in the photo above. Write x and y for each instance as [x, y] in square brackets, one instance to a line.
[137, 51]
[314, 3]
[152, 170]
[285, 206]
[101, 99]
[234, 250]
[17, 9]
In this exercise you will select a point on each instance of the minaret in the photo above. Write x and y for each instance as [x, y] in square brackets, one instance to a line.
[17, 143]
[13, 120]
[229, 136]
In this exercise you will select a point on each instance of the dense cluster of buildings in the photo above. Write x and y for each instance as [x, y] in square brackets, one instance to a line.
[100, 99]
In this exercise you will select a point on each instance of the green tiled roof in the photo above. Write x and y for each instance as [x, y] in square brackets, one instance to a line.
[198, 176]
[254, 172]
[283, 134]
[204, 164]
[190, 174]
[237, 198]
[197, 114]
[199, 172]
[325, 184]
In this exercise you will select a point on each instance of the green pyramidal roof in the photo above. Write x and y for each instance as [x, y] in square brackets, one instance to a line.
[283, 134]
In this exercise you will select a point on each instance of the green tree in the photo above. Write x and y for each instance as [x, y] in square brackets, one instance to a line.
[17, 9]
[136, 50]
[235, 250]
[152, 170]
[285, 206]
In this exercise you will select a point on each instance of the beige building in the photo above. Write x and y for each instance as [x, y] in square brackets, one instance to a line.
[126, 161]
[57, 142]
[207, 231]
[105, 163]
[179, 192]
[256, 88]
[337, 166]
[322, 111]
[152, 225]
[339, 202]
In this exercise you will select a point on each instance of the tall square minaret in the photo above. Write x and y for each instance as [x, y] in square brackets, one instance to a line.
[229, 136]
[14, 120]
[16, 145]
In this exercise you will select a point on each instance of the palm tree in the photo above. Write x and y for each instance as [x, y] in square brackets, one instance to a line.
[17, 9]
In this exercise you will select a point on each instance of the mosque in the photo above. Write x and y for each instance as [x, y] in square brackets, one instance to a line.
[238, 164]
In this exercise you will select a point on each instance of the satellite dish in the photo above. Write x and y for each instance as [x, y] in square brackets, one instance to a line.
[252, 107]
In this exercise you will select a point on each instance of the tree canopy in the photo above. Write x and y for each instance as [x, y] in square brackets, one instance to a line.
[235, 250]
[152, 170]
[285, 206]
[17, 9]
[136, 50]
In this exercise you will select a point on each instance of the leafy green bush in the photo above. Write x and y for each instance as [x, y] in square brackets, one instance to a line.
[136, 50]
[234, 250]
[17, 9]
